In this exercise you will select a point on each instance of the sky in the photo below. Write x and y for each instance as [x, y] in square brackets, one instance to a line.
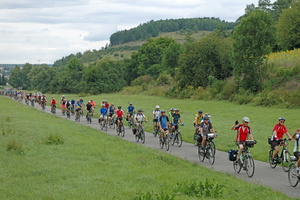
[43, 31]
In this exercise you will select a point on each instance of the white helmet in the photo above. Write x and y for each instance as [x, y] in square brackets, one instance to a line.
[157, 106]
[246, 119]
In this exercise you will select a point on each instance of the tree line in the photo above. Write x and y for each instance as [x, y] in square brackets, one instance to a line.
[223, 64]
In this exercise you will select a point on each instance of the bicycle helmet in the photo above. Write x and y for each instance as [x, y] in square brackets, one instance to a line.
[103, 105]
[200, 111]
[157, 106]
[140, 110]
[162, 111]
[119, 107]
[130, 103]
[172, 109]
[206, 117]
[281, 118]
[176, 109]
[246, 119]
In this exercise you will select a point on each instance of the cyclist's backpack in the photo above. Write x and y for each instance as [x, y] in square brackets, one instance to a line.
[232, 154]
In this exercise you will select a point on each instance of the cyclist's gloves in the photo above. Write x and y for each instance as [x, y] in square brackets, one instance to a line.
[236, 122]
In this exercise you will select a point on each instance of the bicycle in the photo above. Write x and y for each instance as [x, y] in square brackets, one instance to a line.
[68, 113]
[293, 175]
[103, 124]
[26, 101]
[112, 122]
[157, 130]
[131, 121]
[81, 110]
[43, 105]
[177, 137]
[140, 134]
[165, 141]
[72, 110]
[196, 137]
[77, 115]
[246, 161]
[121, 129]
[32, 103]
[89, 117]
[53, 109]
[283, 158]
[209, 149]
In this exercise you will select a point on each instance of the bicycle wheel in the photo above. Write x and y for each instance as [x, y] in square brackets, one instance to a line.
[143, 136]
[213, 146]
[236, 166]
[250, 167]
[137, 136]
[174, 138]
[105, 124]
[201, 153]
[118, 131]
[272, 164]
[211, 155]
[195, 140]
[179, 139]
[122, 130]
[167, 143]
[286, 160]
[161, 143]
[293, 176]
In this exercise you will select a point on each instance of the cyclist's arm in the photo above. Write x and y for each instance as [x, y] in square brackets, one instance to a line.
[287, 133]
[295, 134]
[145, 118]
[201, 130]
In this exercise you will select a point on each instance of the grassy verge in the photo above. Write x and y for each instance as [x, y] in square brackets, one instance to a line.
[223, 117]
[89, 164]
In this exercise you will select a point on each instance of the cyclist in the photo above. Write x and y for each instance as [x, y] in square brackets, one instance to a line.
[163, 122]
[176, 118]
[278, 131]
[243, 132]
[63, 104]
[205, 128]
[78, 106]
[111, 112]
[120, 115]
[138, 118]
[130, 111]
[43, 100]
[197, 121]
[89, 108]
[53, 103]
[73, 102]
[103, 113]
[106, 104]
[296, 136]
[155, 116]
[93, 106]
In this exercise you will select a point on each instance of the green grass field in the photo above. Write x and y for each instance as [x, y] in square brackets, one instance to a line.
[223, 117]
[89, 164]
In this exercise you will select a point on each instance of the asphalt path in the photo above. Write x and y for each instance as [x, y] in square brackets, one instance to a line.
[275, 179]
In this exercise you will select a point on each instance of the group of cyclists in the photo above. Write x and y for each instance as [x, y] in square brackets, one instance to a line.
[167, 123]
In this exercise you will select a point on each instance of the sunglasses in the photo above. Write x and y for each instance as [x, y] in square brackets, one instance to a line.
[281, 121]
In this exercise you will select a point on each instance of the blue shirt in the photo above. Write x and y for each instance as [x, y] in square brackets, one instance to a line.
[130, 109]
[111, 110]
[103, 111]
[164, 121]
[73, 102]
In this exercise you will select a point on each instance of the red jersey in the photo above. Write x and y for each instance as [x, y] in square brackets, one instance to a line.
[242, 132]
[53, 102]
[93, 103]
[281, 130]
[120, 113]
[107, 105]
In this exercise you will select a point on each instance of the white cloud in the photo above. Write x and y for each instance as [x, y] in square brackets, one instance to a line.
[44, 31]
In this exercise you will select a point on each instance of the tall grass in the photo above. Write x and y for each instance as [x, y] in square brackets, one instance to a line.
[93, 165]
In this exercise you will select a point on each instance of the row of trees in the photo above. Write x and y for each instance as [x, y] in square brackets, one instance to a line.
[154, 28]
[194, 64]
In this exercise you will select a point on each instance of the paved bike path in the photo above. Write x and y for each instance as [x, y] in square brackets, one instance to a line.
[276, 178]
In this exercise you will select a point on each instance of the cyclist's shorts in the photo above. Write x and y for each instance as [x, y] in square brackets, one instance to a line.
[110, 114]
[104, 116]
[77, 109]
[119, 118]
[275, 143]
[155, 120]
[240, 142]
[297, 154]
[165, 129]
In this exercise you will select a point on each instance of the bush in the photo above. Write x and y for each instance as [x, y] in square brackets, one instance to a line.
[15, 146]
[243, 97]
[201, 94]
[141, 80]
[54, 139]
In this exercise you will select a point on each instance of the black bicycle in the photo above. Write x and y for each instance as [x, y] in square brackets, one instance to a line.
[140, 133]
[89, 117]
[177, 137]
[294, 176]
[284, 157]
[68, 112]
[121, 129]
[157, 130]
[53, 109]
[246, 161]
[209, 150]
[104, 124]
[165, 141]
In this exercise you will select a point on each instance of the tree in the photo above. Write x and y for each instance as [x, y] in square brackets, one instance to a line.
[208, 57]
[15, 78]
[253, 39]
[288, 27]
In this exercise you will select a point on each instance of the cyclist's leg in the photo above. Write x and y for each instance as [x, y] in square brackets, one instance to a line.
[162, 132]
[241, 148]
[276, 148]
[203, 141]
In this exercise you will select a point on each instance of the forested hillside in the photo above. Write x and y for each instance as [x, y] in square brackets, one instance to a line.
[235, 65]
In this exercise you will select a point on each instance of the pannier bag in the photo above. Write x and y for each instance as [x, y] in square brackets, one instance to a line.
[232, 154]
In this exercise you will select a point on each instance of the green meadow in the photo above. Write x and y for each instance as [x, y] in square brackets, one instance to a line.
[223, 116]
[46, 157]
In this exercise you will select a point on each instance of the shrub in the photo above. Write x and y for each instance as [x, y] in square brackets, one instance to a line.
[141, 80]
[15, 146]
[7, 118]
[54, 139]
[201, 94]
[7, 130]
